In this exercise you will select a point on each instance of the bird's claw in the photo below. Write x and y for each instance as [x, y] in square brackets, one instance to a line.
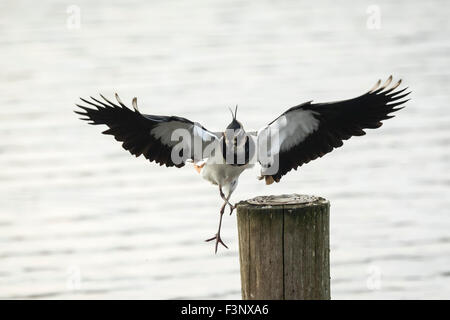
[231, 208]
[218, 240]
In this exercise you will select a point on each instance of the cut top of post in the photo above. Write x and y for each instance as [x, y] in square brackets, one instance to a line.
[299, 200]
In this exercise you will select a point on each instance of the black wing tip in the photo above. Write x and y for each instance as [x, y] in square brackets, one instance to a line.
[399, 95]
[84, 113]
[387, 87]
[97, 105]
[109, 103]
[120, 101]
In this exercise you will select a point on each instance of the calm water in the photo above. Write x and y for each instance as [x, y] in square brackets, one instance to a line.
[81, 218]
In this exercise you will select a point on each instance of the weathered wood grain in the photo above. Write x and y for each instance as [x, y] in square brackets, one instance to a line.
[284, 247]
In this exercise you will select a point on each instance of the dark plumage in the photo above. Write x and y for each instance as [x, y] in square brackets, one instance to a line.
[134, 129]
[340, 121]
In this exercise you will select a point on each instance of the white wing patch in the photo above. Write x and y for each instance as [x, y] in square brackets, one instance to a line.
[204, 134]
[295, 127]
[292, 128]
[163, 131]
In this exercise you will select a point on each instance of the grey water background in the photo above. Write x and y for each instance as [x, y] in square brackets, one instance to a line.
[81, 218]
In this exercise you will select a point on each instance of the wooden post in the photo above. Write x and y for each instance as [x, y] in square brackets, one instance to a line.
[284, 247]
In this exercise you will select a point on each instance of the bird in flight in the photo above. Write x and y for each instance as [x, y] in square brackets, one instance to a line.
[301, 134]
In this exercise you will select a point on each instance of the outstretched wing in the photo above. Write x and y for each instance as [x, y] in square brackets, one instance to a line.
[149, 135]
[311, 130]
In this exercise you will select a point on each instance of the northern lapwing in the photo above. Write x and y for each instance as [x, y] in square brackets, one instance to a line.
[301, 134]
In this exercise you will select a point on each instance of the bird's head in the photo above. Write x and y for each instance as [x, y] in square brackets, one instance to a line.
[235, 130]
[234, 124]
[235, 139]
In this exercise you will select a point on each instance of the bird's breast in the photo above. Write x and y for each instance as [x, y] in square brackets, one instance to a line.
[221, 174]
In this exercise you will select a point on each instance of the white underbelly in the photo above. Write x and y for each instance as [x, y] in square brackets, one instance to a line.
[221, 174]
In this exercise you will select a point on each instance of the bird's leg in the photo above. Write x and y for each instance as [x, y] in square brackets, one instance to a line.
[217, 236]
[222, 195]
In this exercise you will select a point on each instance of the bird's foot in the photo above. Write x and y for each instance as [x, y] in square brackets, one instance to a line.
[232, 207]
[218, 240]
